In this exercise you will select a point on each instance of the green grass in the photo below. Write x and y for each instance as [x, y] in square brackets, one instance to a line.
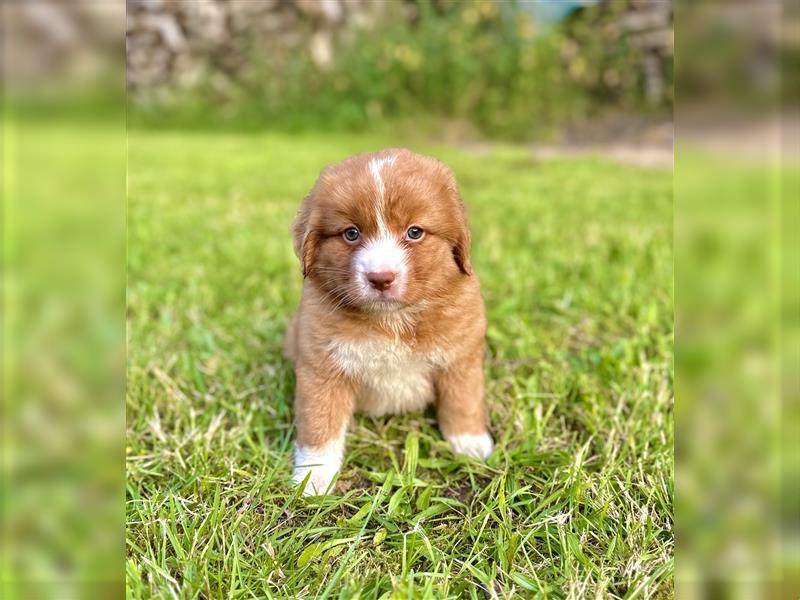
[575, 259]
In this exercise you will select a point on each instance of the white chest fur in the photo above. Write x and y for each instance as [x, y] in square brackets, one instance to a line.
[393, 377]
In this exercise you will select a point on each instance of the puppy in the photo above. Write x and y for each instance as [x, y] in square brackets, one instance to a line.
[391, 316]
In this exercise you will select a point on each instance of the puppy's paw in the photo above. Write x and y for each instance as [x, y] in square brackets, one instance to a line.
[318, 483]
[323, 464]
[477, 446]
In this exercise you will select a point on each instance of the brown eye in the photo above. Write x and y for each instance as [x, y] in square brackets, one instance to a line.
[414, 233]
[351, 234]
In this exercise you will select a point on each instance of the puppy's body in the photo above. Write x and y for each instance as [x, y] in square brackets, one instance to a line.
[362, 344]
[389, 361]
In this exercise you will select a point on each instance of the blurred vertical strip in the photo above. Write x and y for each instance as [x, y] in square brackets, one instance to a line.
[790, 306]
[737, 302]
[63, 256]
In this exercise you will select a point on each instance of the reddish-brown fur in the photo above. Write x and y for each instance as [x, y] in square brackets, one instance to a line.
[442, 306]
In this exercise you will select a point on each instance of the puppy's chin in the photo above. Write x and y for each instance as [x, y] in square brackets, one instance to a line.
[366, 301]
[389, 300]
[382, 305]
[375, 301]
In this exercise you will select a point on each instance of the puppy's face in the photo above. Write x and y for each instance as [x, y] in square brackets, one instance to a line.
[383, 231]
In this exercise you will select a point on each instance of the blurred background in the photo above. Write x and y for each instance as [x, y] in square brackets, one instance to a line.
[563, 77]
[577, 71]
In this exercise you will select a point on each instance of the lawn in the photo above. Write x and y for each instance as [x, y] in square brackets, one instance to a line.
[575, 260]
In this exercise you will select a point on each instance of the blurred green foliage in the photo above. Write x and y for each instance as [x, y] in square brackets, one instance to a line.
[483, 64]
[62, 476]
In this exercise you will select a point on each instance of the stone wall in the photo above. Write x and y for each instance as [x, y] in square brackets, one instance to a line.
[175, 42]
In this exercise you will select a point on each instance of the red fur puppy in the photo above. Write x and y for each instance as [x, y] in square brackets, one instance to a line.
[391, 316]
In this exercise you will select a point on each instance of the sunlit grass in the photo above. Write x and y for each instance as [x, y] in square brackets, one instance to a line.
[575, 261]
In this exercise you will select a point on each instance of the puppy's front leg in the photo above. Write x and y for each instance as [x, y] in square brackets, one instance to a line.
[323, 408]
[461, 410]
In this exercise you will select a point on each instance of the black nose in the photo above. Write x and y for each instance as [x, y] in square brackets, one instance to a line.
[381, 280]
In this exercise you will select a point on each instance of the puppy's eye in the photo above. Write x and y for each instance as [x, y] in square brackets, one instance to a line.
[414, 233]
[351, 234]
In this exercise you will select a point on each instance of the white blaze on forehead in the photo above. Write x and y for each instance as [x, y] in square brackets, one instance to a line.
[376, 165]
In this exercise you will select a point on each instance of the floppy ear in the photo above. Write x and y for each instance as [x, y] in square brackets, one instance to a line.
[304, 238]
[461, 245]
[460, 235]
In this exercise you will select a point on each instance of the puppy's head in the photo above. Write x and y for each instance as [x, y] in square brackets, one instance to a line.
[382, 231]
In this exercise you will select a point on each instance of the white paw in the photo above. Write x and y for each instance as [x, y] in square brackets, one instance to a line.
[323, 463]
[477, 446]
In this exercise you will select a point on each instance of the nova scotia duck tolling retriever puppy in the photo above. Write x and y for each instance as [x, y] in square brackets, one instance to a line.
[391, 316]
